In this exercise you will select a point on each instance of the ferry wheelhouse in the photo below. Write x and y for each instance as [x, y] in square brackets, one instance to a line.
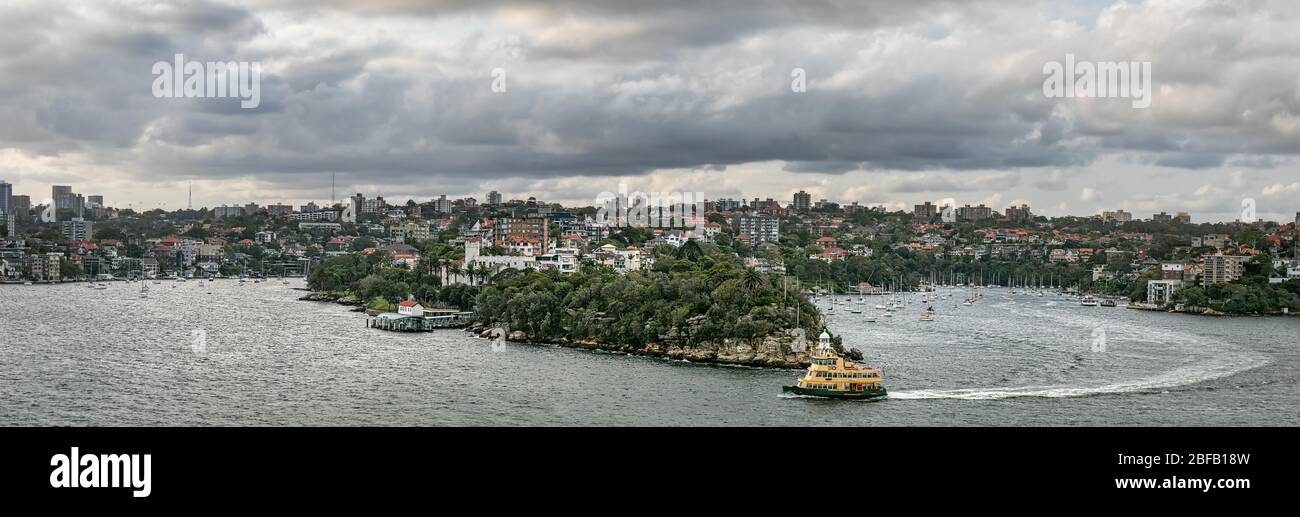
[832, 376]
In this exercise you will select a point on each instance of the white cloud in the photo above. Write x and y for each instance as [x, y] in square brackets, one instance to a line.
[1280, 189]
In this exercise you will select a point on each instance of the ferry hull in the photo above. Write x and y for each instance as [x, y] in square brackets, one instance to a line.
[835, 394]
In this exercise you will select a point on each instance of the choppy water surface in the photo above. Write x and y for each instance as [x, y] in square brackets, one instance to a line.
[70, 355]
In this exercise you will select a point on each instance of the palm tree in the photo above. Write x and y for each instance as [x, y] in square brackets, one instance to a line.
[752, 280]
[690, 251]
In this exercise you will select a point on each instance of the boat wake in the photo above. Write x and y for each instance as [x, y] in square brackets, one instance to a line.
[1177, 377]
[1223, 361]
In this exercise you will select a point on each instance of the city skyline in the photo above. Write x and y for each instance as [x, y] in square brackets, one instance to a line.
[793, 201]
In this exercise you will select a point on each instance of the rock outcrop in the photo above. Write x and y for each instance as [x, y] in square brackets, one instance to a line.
[776, 351]
[329, 297]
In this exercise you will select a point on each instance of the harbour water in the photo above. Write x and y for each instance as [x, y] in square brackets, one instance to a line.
[221, 353]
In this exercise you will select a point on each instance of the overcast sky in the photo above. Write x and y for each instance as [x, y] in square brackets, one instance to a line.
[905, 102]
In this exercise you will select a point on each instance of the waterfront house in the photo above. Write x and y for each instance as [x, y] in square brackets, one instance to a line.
[410, 308]
[150, 267]
[1160, 292]
[43, 267]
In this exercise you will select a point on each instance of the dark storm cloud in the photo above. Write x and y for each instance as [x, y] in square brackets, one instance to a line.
[660, 28]
[398, 92]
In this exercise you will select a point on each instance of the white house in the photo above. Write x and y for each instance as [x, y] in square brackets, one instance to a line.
[410, 308]
[1160, 292]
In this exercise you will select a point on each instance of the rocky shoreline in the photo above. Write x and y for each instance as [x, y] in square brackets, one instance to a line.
[314, 296]
[790, 350]
[1204, 311]
[780, 351]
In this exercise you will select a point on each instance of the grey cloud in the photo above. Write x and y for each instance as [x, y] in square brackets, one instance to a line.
[575, 108]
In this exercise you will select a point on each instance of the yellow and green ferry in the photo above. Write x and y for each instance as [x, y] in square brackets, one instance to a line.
[832, 376]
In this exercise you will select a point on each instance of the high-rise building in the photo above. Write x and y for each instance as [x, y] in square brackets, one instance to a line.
[65, 199]
[95, 201]
[494, 198]
[1019, 214]
[802, 201]
[58, 191]
[1118, 216]
[760, 228]
[727, 205]
[1183, 217]
[374, 206]
[6, 198]
[442, 204]
[227, 211]
[1161, 217]
[508, 229]
[974, 213]
[924, 212]
[78, 229]
[21, 205]
[1221, 269]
